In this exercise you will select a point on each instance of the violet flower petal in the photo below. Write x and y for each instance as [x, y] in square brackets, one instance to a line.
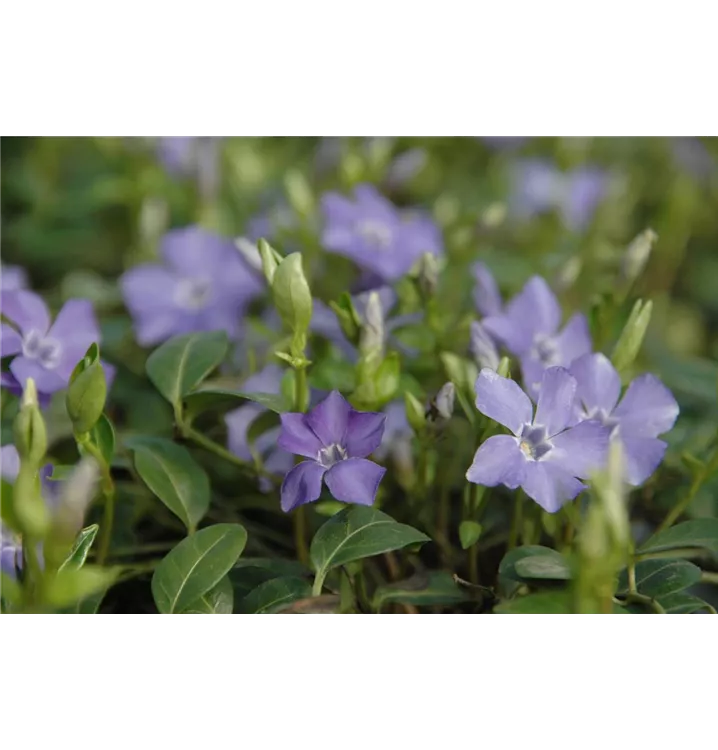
[502, 400]
[598, 383]
[297, 437]
[148, 287]
[9, 463]
[354, 480]
[498, 460]
[641, 457]
[303, 484]
[47, 381]
[580, 450]
[647, 409]
[487, 297]
[549, 486]
[556, 398]
[574, 340]
[329, 419]
[26, 310]
[11, 341]
[364, 433]
[76, 329]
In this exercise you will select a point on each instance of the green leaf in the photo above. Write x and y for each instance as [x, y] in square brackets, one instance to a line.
[196, 565]
[543, 603]
[217, 601]
[631, 338]
[546, 564]
[250, 572]
[81, 548]
[680, 603]
[355, 533]
[275, 594]
[86, 393]
[423, 589]
[10, 588]
[217, 399]
[70, 585]
[656, 578]
[469, 533]
[174, 477]
[181, 363]
[103, 436]
[701, 533]
[89, 604]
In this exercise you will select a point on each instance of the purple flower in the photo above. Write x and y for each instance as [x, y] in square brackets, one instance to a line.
[529, 328]
[646, 410]
[12, 278]
[376, 235]
[336, 439]
[504, 142]
[539, 186]
[482, 347]
[192, 156]
[542, 456]
[487, 297]
[240, 420]
[203, 286]
[11, 557]
[47, 353]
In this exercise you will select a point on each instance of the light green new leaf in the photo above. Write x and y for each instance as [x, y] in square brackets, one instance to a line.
[70, 586]
[181, 363]
[196, 565]
[174, 477]
[81, 548]
[532, 563]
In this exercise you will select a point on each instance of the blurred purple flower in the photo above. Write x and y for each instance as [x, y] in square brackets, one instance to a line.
[12, 278]
[47, 353]
[375, 234]
[539, 186]
[336, 439]
[487, 297]
[194, 157]
[504, 142]
[529, 328]
[203, 286]
[398, 434]
[646, 410]
[238, 421]
[405, 166]
[544, 455]
[11, 557]
[482, 347]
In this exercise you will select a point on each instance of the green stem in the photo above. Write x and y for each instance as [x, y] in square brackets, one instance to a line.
[709, 577]
[299, 517]
[318, 584]
[679, 509]
[635, 598]
[107, 488]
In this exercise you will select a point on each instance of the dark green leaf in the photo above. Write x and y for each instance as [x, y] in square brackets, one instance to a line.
[543, 603]
[546, 564]
[217, 601]
[423, 589]
[103, 436]
[174, 477]
[81, 548]
[656, 578]
[250, 572]
[181, 363]
[680, 603]
[274, 595]
[224, 399]
[701, 533]
[196, 565]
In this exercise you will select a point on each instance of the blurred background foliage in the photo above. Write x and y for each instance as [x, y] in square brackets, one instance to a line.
[78, 212]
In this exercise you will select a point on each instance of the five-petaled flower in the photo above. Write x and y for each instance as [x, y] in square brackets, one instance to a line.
[47, 353]
[336, 439]
[203, 286]
[375, 234]
[528, 327]
[646, 411]
[544, 456]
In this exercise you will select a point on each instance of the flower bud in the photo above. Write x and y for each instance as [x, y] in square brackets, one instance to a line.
[629, 343]
[29, 428]
[348, 317]
[637, 254]
[482, 347]
[299, 193]
[87, 392]
[372, 330]
[428, 278]
[415, 412]
[269, 258]
[250, 253]
[292, 298]
[443, 404]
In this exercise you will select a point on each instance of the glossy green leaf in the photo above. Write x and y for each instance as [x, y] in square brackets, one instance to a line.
[536, 563]
[657, 578]
[274, 595]
[358, 532]
[181, 363]
[423, 589]
[70, 585]
[217, 601]
[81, 548]
[543, 603]
[89, 604]
[174, 477]
[250, 572]
[103, 436]
[680, 603]
[469, 533]
[216, 399]
[700, 533]
[196, 565]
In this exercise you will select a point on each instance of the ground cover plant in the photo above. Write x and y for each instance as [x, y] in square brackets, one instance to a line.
[369, 375]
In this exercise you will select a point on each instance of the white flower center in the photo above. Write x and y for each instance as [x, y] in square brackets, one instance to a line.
[374, 233]
[330, 455]
[41, 348]
[193, 294]
[534, 442]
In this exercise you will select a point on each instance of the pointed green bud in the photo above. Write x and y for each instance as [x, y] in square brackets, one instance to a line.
[629, 343]
[386, 379]
[637, 254]
[371, 340]
[87, 392]
[270, 260]
[428, 276]
[443, 405]
[299, 193]
[29, 428]
[469, 533]
[293, 300]
[348, 317]
[415, 413]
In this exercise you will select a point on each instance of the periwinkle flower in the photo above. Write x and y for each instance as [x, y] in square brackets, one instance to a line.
[646, 411]
[192, 156]
[529, 328]
[544, 455]
[539, 186]
[487, 297]
[45, 351]
[12, 278]
[336, 439]
[238, 421]
[204, 285]
[11, 556]
[375, 234]
[482, 347]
